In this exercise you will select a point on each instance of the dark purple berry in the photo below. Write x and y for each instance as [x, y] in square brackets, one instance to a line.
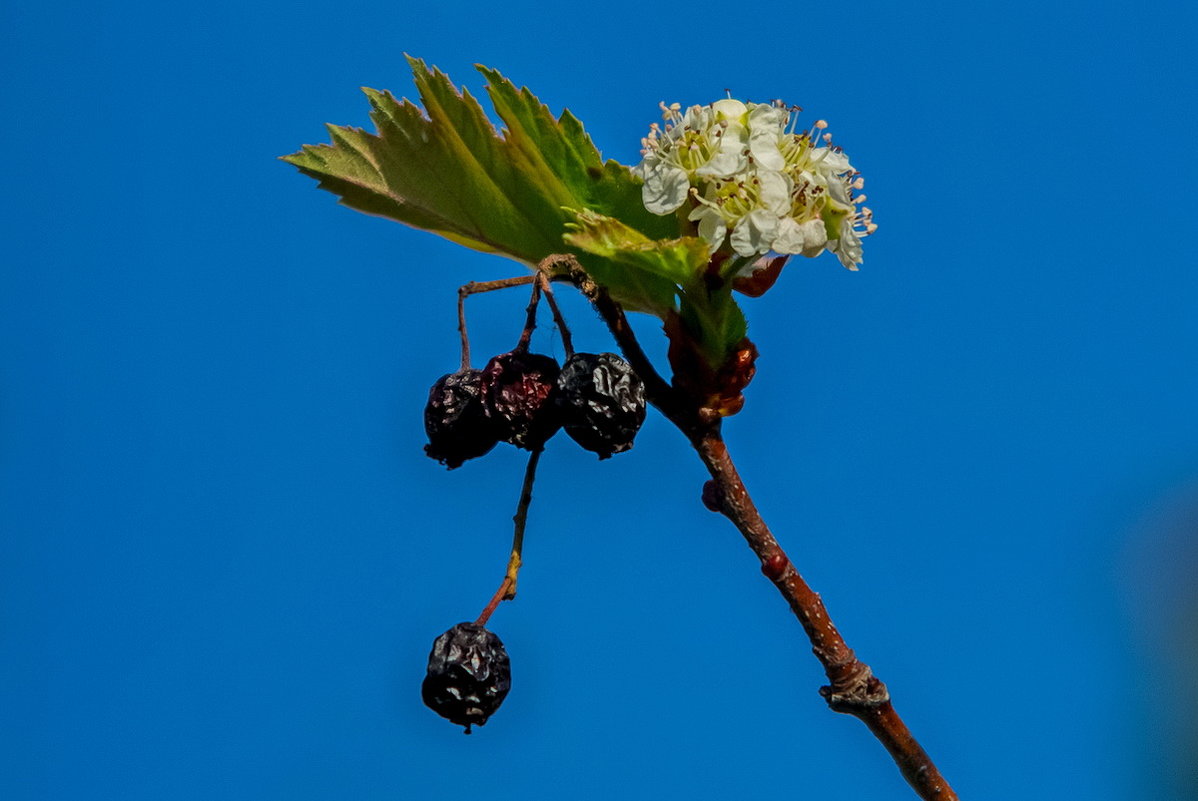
[456, 420]
[469, 675]
[516, 388]
[601, 401]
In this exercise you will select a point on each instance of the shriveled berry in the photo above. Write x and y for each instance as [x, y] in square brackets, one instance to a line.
[469, 675]
[602, 402]
[516, 389]
[456, 420]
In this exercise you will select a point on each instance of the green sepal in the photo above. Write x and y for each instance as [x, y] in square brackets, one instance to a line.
[715, 321]
[834, 215]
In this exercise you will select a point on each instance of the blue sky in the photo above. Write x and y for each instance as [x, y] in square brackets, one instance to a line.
[223, 555]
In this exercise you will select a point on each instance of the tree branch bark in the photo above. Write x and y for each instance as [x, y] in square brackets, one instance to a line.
[852, 688]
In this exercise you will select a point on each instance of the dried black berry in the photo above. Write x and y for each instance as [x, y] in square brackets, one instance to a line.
[456, 421]
[469, 675]
[602, 402]
[517, 387]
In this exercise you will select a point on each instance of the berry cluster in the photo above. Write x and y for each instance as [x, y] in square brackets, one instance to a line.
[524, 399]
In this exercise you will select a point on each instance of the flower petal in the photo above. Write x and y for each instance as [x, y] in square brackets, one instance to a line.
[775, 192]
[711, 225]
[754, 233]
[665, 188]
[767, 126]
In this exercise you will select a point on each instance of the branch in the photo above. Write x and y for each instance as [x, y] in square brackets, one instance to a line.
[852, 689]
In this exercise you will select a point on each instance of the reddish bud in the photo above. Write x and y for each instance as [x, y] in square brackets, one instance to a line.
[713, 497]
[775, 565]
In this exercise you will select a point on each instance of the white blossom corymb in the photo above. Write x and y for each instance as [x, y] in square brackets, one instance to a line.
[752, 183]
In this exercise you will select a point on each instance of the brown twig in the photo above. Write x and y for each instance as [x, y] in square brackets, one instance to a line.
[852, 689]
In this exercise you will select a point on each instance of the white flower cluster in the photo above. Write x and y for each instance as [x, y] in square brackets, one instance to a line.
[744, 170]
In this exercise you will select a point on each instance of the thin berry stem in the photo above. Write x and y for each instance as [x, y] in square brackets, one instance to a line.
[493, 604]
[520, 519]
[474, 288]
[562, 328]
[530, 321]
[507, 587]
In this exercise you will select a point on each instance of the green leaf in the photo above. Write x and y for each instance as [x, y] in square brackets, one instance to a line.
[712, 315]
[678, 260]
[447, 170]
[639, 272]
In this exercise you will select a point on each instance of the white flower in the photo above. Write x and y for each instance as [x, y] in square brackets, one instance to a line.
[754, 186]
[752, 207]
[706, 142]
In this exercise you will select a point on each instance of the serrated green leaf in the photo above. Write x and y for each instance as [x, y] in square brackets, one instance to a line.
[563, 147]
[448, 171]
[713, 316]
[679, 260]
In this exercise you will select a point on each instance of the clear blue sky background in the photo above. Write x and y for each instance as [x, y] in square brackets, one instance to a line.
[223, 555]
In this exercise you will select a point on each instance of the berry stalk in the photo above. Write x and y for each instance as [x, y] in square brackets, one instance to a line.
[507, 587]
[558, 319]
[474, 288]
[520, 519]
